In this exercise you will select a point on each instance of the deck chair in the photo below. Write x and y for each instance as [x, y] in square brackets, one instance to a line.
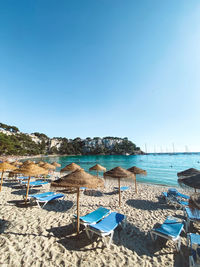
[45, 194]
[193, 241]
[92, 217]
[170, 230]
[122, 188]
[175, 198]
[106, 227]
[48, 198]
[34, 183]
[191, 216]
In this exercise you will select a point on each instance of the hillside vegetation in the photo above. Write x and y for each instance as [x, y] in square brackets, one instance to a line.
[14, 142]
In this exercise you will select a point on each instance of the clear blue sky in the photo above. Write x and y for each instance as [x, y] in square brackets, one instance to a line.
[103, 68]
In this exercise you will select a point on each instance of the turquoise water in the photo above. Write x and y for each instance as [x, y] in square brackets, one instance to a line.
[161, 168]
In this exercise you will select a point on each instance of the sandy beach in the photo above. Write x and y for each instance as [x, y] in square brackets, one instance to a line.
[31, 236]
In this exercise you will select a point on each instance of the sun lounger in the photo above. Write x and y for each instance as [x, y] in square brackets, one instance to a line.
[106, 226]
[191, 217]
[92, 217]
[48, 198]
[194, 246]
[34, 183]
[45, 194]
[175, 198]
[170, 230]
[122, 188]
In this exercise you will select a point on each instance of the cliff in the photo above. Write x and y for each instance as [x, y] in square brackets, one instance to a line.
[14, 142]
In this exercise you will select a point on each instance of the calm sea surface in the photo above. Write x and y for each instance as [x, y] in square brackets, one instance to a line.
[161, 169]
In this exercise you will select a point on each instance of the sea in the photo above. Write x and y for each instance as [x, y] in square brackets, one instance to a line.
[161, 168]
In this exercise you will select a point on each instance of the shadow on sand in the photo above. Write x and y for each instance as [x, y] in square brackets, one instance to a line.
[146, 204]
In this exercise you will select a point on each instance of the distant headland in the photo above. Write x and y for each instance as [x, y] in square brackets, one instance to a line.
[14, 142]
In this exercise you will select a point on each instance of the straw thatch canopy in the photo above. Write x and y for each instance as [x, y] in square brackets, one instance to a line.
[40, 163]
[98, 168]
[30, 169]
[5, 166]
[191, 181]
[137, 170]
[71, 167]
[17, 163]
[188, 172]
[194, 202]
[78, 178]
[118, 172]
[48, 166]
[56, 164]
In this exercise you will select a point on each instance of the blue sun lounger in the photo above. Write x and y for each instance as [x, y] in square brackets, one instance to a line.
[194, 247]
[34, 183]
[45, 194]
[106, 226]
[171, 230]
[191, 217]
[48, 198]
[122, 188]
[92, 217]
[175, 198]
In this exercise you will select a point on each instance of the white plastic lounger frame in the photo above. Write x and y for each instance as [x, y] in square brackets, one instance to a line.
[177, 239]
[45, 201]
[194, 247]
[90, 231]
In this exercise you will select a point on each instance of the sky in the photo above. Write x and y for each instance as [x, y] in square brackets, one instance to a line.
[98, 68]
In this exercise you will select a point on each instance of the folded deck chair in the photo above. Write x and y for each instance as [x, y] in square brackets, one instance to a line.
[191, 216]
[92, 217]
[106, 226]
[46, 199]
[170, 229]
[34, 183]
[122, 188]
[194, 246]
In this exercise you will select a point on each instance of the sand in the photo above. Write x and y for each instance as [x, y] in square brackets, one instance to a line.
[31, 236]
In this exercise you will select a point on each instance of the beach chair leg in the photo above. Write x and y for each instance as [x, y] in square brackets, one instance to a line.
[38, 203]
[153, 236]
[44, 204]
[89, 233]
[178, 244]
[111, 238]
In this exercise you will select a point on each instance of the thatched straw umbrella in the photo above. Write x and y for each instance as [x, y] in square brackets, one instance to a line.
[48, 166]
[97, 168]
[188, 182]
[118, 173]
[137, 171]
[5, 166]
[17, 163]
[56, 164]
[78, 178]
[191, 181]
[194, 202]
[39, 163]
[30, 170]
[71, 167]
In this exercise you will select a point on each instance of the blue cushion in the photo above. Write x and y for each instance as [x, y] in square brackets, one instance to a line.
[171, 227]
[95, 216]
[109, 223]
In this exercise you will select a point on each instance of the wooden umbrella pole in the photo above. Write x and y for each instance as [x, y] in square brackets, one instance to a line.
[135, 185]
[97, 174]
[78, 220]
[1, 180]
[119, 192]
[27, 189]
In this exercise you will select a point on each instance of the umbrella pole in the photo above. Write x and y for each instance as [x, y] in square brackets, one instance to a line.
[1, 180]
[97, 174]
[27, 189]
[195, 190]
[135, 185]
[78, 220]
[119, 192]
